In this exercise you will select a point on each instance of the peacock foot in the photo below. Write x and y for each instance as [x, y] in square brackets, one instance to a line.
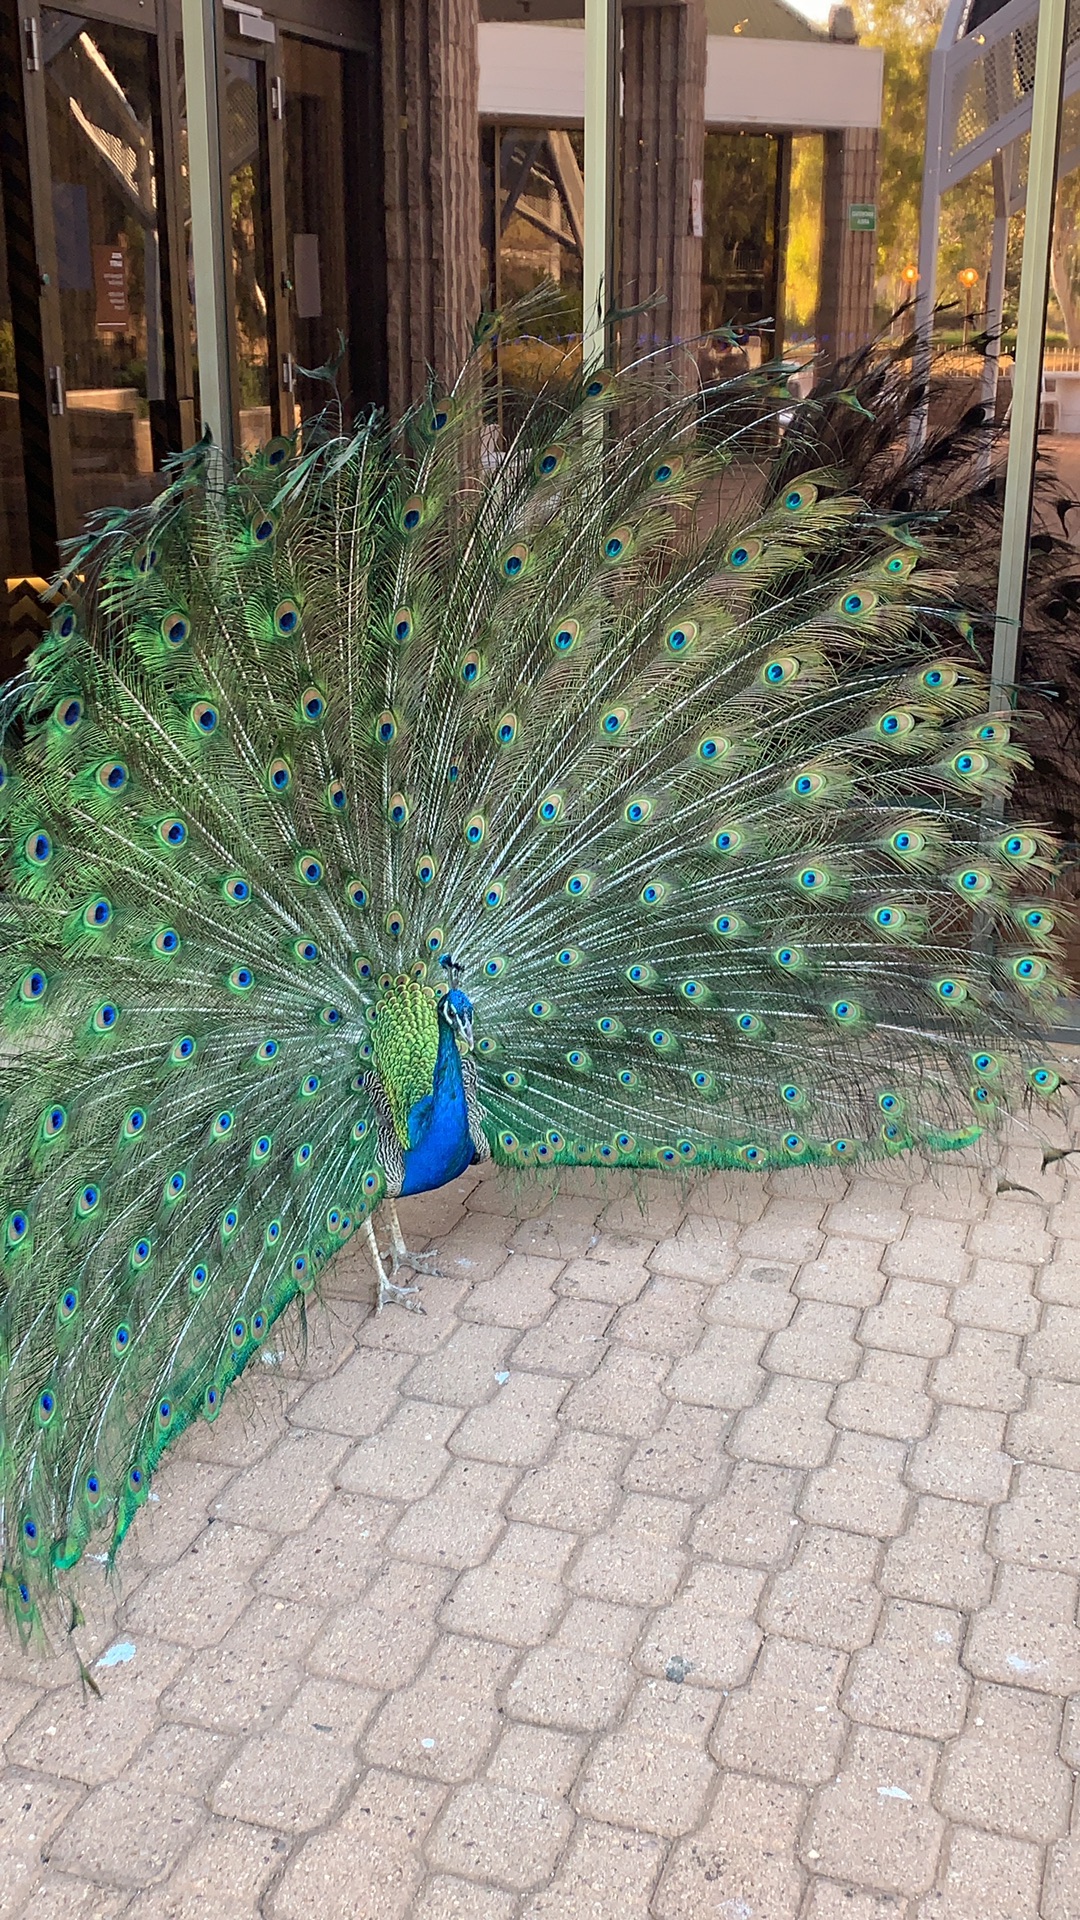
[390, 1294]
[419, 1262]
[398, 1253]
[388, 1291]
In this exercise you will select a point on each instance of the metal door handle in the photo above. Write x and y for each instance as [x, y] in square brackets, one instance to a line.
[57, 396]
[288, 373]
[32, 43]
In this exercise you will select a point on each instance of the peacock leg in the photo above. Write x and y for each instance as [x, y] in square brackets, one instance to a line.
[388, 1290]
[399, 1252]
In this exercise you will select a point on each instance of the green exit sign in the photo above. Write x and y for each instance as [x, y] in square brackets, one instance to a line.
[862, 218]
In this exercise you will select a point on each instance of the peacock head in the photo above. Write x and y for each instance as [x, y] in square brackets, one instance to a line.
[456, 1008]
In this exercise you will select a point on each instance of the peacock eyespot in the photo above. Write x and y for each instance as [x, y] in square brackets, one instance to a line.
[53, 1122]
[105, 1017]
[267, 1050]
[402, 625]
[204, 717]
[1044, 1079]
[38, 848]
[286, 618]
[69, 1303]
[506, 730]
[279, 776]
[578, 884]
[237, 889]
[221, 1125]
[173, 832]
[33, 984]
[970, 765]
[739, 557]
[121, 1339]
[845, 1011]
[950, 990]
[112, 776]
[728, 840]
[703, 1080]
[98, 913]
[309, 869]
[397, 811]
[176, 1184]
[475, 829]
[46, 1406]
[273, 1233]
[175, 629]
[777, 673]
[93, 1489]
[303, 1154]
[412, 513]
[748, 1023]
[239, 1333]
[793, 1143]
[652, 893]
[550, 808]
[1019, 846]
[852, 603]
[241, 979]
[1037, 920]
[263, 528]
[64, 622]
[386, 729]
[680, 638]
[183, 1049]
[261, 1147]
[615, 721]
[565, 636]
[229, 1221]
[1029, 970]
[616, 543]
[312, 704]
[89, 1200]
[515, 562]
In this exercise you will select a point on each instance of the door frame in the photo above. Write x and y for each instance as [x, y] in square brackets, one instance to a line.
[44, 412]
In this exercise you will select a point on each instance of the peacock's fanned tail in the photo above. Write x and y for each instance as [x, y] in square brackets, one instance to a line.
[686, 763]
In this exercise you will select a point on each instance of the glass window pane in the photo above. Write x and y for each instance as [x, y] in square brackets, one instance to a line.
[100, 111]
[246, 147]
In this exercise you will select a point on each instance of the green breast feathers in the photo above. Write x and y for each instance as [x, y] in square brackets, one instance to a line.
[405, 1046]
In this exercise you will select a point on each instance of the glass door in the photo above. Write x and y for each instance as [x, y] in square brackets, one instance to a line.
[249, 166]
[101, 114]
[333, 243]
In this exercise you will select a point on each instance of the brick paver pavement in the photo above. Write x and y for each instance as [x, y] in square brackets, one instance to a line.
[716, 1561]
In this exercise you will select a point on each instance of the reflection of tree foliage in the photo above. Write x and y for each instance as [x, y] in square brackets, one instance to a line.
[739, 244]
[802, 261]
[7, 357]
[250, 298]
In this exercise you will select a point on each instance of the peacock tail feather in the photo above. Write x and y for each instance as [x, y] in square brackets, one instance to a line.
[682, 759]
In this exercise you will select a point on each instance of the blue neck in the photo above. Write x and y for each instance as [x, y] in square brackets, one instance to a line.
[439, 1144]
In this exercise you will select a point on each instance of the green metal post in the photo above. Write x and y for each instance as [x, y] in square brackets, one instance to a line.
[601, 161]
[1030, 335]
[211, 259]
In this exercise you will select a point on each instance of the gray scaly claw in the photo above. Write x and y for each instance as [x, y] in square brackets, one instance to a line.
[419, 1262]
[390, 1294]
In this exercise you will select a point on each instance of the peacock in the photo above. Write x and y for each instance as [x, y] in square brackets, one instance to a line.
[611, 787]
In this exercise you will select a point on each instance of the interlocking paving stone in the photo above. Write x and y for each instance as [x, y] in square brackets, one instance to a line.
[716, 1561]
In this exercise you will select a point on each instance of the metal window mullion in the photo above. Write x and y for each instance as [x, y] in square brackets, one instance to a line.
[211, 258]
[1030, 341]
